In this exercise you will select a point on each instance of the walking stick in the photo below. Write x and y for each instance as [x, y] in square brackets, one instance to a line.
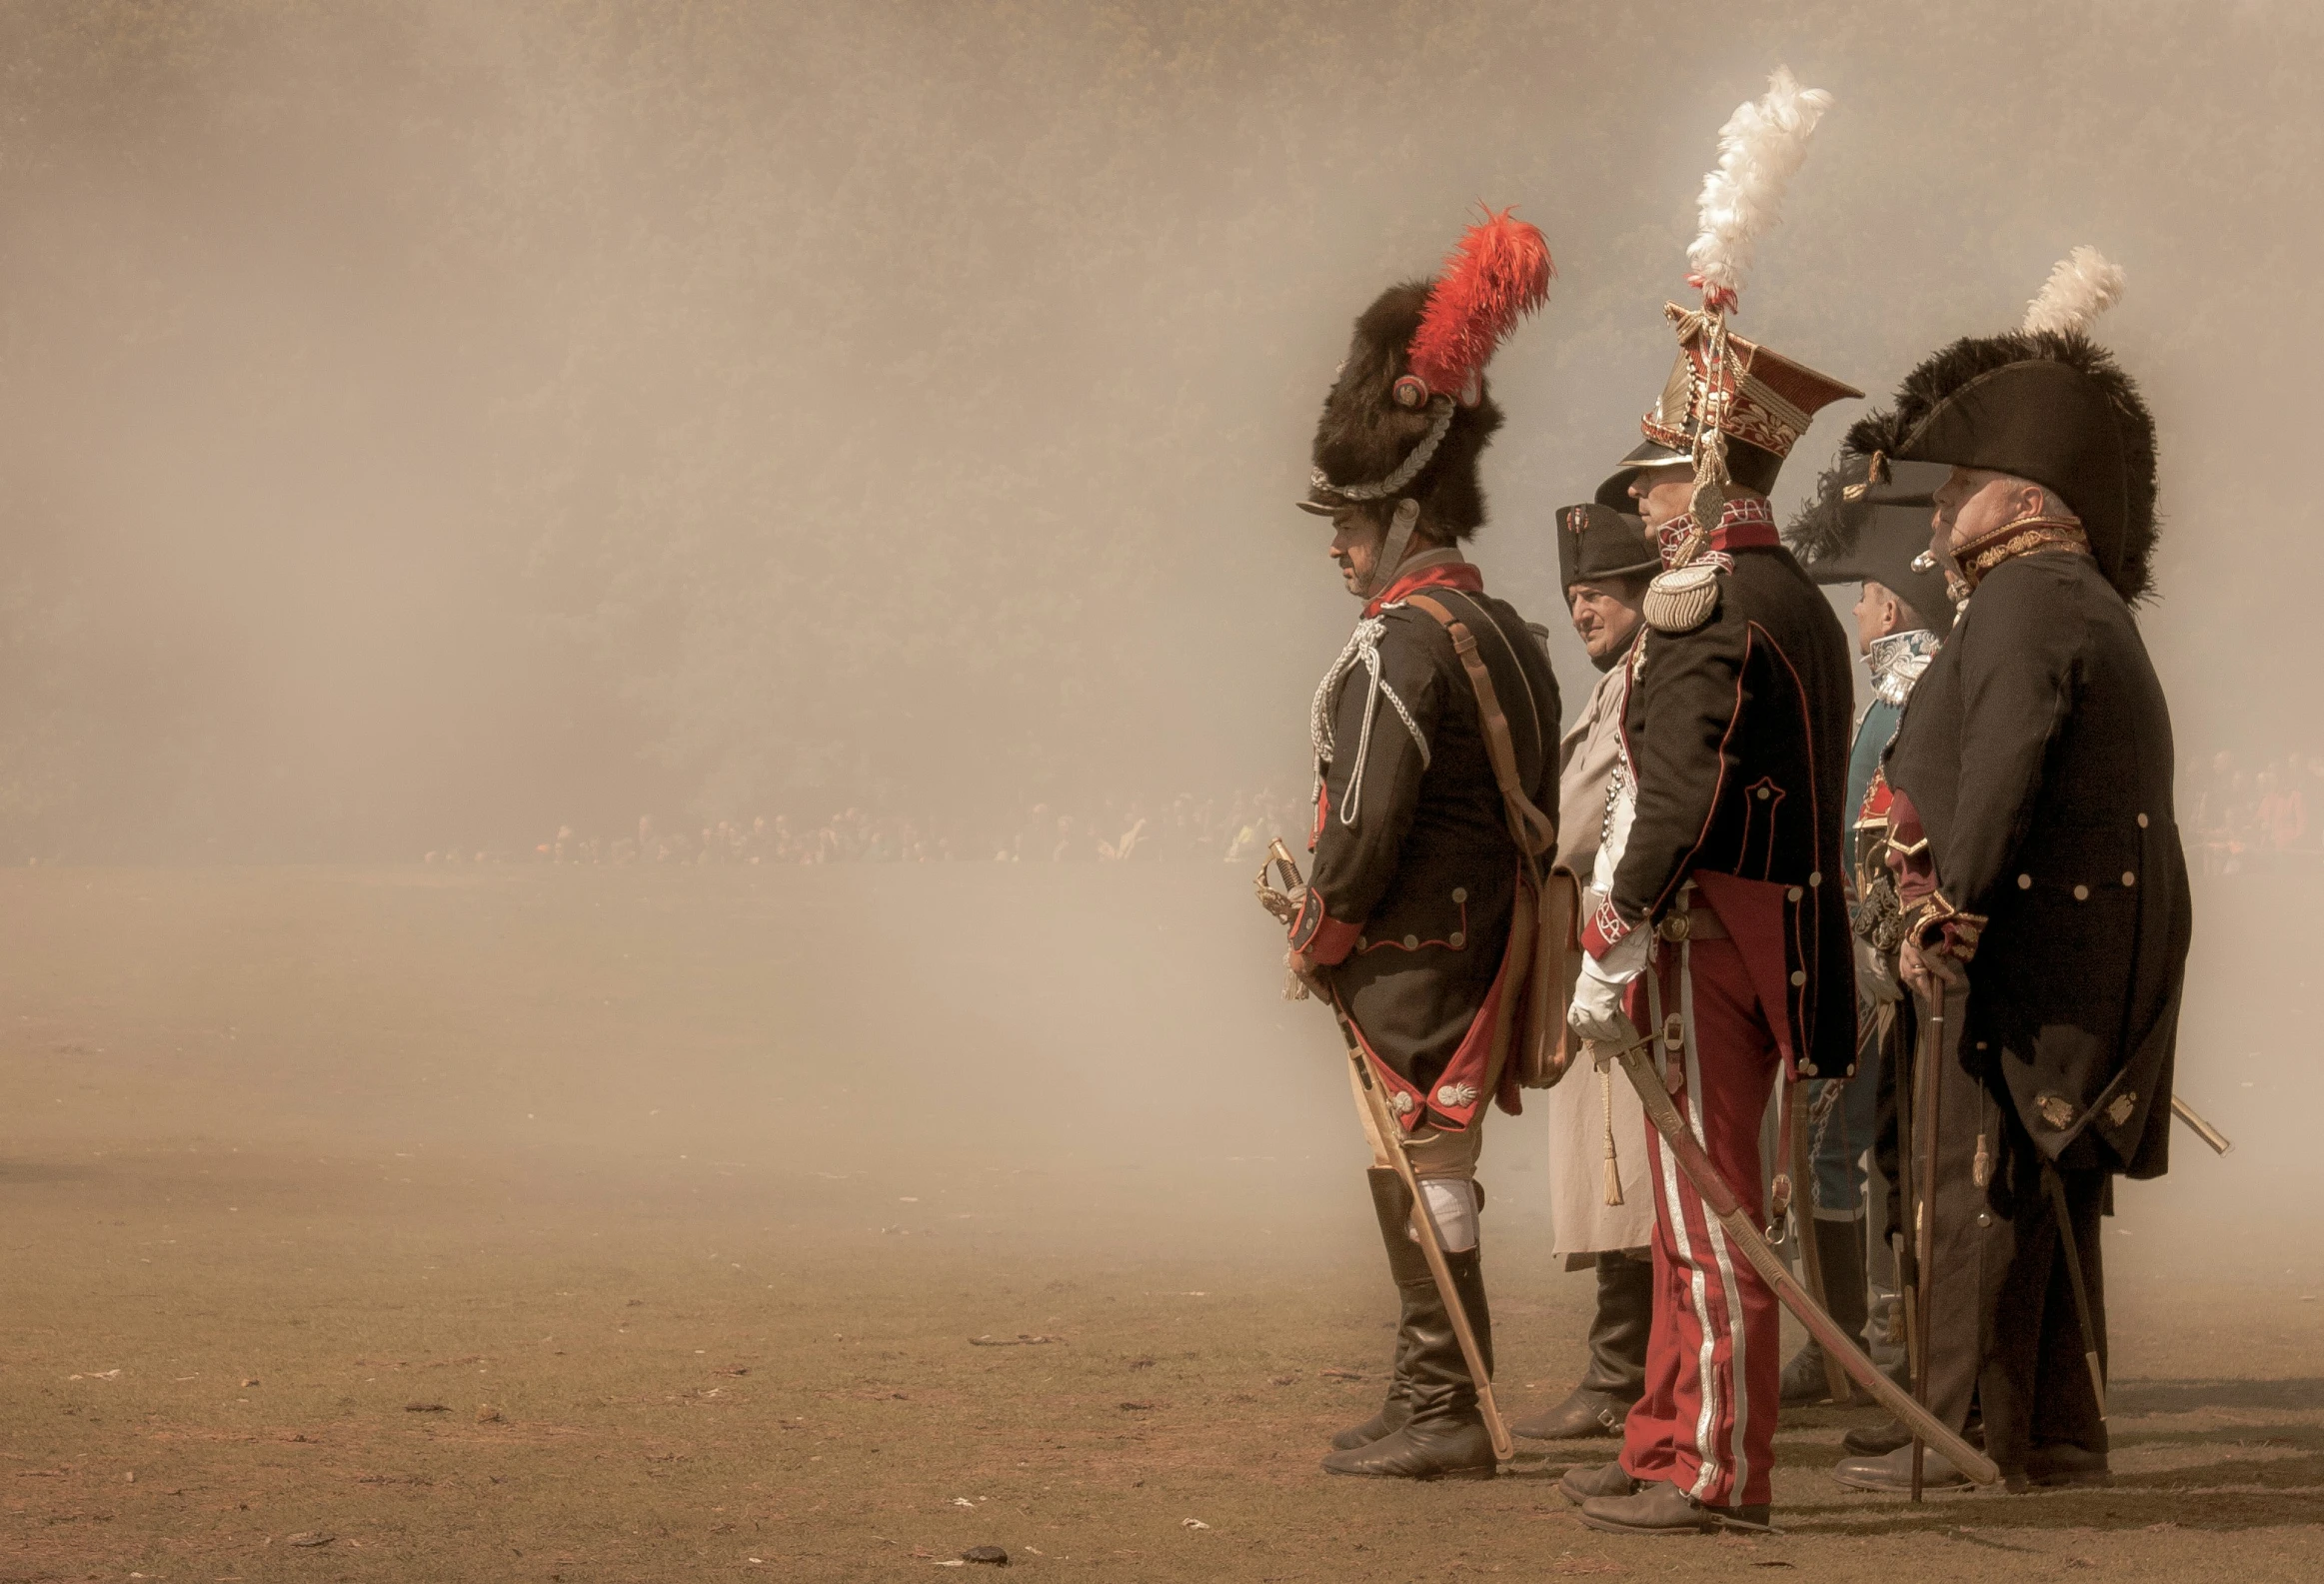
[2068, 1245]
[1392, 1139]
[1720, 1200]
[1929, 1081]
[1905, 1246]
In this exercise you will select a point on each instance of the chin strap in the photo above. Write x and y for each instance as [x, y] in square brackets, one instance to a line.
[1392, 550]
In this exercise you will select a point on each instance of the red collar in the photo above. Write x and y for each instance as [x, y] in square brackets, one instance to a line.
[1748, 523]
[1464, 575]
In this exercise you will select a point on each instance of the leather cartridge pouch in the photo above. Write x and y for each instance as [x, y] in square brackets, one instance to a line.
[1529, 1033]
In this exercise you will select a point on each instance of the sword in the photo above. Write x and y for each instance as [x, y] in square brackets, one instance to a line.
[1721, 1201]
[1391, 1138]
[2220, 1144]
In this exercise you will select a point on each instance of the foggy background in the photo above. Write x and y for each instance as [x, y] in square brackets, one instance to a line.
[430, 424]
[434, 426]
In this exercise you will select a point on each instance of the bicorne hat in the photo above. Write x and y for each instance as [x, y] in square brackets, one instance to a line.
[1857, 528]
[2046, 403]
[1596, 541]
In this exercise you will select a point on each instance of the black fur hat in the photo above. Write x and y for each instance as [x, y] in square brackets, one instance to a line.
[1366, 433]
[1874, 533]
[2054, 408]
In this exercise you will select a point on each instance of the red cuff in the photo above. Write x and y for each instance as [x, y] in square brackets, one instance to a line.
[1603, 930]
[1320, 937]
[1331, 941]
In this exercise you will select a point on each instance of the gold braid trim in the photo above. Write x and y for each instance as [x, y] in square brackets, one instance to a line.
[2022, 538]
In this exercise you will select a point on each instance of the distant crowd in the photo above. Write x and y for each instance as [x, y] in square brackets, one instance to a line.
[1185, 828]
[2237, 819]
[2234, 819]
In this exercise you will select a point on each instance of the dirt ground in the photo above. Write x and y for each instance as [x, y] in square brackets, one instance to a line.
[645, 1225]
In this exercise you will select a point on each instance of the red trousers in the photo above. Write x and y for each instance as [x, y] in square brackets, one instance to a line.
[1714, 1364]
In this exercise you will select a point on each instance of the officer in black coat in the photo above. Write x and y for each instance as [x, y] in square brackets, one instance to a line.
[1406, 919]
[2043, 886]
[1724, 929]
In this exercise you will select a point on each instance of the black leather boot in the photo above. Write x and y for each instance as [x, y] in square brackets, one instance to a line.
[1840, 1247]
[1416, 1288]
[1618, 1357]
[1446, 1437]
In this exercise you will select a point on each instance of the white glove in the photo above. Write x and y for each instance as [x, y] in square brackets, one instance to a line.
[1596, 1011]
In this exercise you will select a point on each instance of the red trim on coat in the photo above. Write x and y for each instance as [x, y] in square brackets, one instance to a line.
[1465, 1069]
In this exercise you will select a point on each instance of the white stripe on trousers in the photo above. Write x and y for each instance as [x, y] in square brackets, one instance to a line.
[1675, 1209]
[1731, 1300]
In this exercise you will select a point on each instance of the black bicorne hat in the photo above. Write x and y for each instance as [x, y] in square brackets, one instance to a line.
[1858, 529]
[1596, 541]
[2051, 407]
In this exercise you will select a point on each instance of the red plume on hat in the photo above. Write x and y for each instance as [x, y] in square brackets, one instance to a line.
[1497, 273]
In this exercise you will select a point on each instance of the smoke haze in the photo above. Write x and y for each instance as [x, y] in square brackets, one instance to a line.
[432, 423]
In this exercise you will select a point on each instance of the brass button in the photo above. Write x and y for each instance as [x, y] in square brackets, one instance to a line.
[2142, 822]
[1984, 1218]
[1457, 939]
[2025, 883]
[1763, 795]
[1807, 1069]
[1815, 878]
[2129, 878]
[1799, 975]
[1362, 941]
[1981, 1045]
[2081, 893]
[1460, 893]
[1411, 942]
[1796, 893]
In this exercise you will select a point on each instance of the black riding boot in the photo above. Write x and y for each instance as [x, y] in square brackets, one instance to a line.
[1415, 1288]
[1618, 1357]
[1446, 1435]
[1840, 1246]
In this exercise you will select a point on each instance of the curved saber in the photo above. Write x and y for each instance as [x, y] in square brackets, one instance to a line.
[1721, 1201]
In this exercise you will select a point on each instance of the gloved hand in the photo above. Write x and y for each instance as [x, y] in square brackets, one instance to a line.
[1596, 1013]
[1596, 1010]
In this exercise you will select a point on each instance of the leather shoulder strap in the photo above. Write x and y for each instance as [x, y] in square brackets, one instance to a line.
[1534, 831]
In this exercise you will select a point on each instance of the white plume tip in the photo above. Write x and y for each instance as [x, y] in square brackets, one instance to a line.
[1760, 147]
[2083, 285]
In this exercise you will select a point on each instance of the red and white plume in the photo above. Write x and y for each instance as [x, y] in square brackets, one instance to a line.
[2083, 285]
[1760, 147]
[1498, 274]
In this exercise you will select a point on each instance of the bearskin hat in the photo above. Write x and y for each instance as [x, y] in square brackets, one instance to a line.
[1858, 527]
[1410, 410]
[2046, 405]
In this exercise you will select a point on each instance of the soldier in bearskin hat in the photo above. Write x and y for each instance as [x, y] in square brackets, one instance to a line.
[2042, 886]
[1873, 532]
[1599, 1203]
[1724, 931]
[1406, 924]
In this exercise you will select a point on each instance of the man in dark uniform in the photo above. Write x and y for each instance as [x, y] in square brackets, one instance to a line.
[2042, 878]
[1724, 930]
[1405, 922]
[1873, 532]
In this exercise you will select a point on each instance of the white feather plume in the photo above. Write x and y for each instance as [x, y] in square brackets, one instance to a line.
[1760, 147]
[2083, 285]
